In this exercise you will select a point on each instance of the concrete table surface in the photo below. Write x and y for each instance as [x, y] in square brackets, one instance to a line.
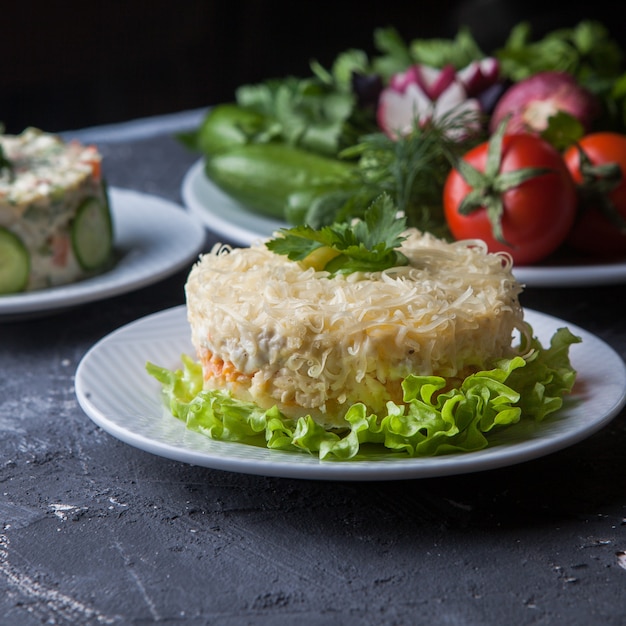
[95, 531]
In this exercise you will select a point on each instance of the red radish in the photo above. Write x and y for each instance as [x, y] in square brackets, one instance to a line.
[425, 93]
[532, 101]
[479, 76]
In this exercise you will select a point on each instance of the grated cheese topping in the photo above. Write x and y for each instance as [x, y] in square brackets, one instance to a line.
[277, 334]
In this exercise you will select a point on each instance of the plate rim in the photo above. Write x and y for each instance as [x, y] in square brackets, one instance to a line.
[119, 279]
[219, 222]
[531, 276]
[282, 464]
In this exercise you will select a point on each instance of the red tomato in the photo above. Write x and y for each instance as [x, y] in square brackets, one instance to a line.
[537, 214]
[593, 232]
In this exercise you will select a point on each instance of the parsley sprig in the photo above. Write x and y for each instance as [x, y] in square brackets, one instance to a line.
[366, 245]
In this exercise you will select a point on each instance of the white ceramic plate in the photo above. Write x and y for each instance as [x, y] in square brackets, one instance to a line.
[231, 220]
[153, 238]
[221, 214]
[116, 392]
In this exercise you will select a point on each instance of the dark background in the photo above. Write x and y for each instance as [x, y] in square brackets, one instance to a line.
[67, 65]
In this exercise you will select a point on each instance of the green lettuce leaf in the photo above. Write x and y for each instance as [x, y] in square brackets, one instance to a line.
[432, 419]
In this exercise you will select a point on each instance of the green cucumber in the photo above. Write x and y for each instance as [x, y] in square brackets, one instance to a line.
[263, 176]
[14, 263]
[92, 234]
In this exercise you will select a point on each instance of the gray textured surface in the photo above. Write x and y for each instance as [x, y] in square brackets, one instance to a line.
[97, 532]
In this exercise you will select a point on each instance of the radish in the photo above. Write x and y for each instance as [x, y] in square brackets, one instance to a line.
[532, 101]
[479, 76]
[425, 93]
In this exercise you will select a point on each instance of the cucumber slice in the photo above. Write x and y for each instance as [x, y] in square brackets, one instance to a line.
[14, 263]
[92, 234]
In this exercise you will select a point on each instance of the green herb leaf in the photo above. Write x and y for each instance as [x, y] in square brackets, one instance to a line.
[563, 130]
[367, 245]
[344, 66]
[313, 113]
[459, 52]
[395, 55]
[586, 51]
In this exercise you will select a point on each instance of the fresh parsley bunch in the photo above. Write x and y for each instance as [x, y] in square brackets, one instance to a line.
[365, 245]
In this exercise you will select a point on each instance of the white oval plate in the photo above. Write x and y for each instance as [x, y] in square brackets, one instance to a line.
[229, 219]
[153, 239]
[116, 392]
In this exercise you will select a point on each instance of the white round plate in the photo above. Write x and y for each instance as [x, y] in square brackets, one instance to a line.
[226, 217]
[153, 239]
[116, 392]
[221, 214]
